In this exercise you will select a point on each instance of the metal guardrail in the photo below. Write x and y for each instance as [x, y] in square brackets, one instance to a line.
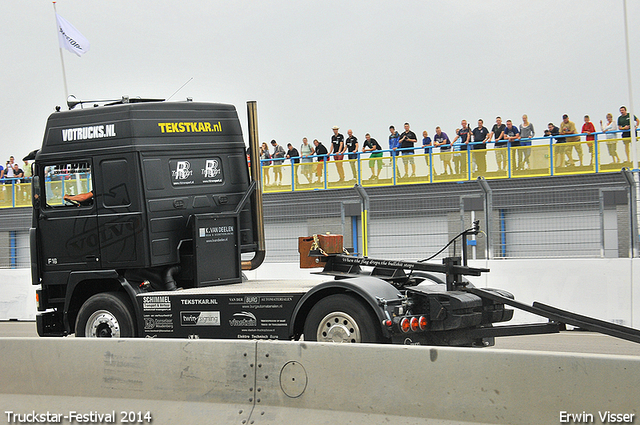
[544, 156]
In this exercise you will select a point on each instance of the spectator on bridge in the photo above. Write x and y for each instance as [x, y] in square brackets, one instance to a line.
[394, 138]
[496, 132]
[18, 173]
[441, 140]
[264, 154]
[428, 146]
[372, 145]
[306, 150]
[558, 153]
[480, 138]
[568, 127]
[320, 150]
[394, 144]
[8, 169]
[27, 170]
[609, 131]
[337, 149]
[511, 134]
[278, 152]
[351, 146]
[588, 127]
[292, 154]
[464, 135]
[526, 132]
[457, 156]
[624, 123]
[408, 140]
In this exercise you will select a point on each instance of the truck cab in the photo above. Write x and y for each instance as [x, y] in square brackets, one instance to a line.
[151, 174]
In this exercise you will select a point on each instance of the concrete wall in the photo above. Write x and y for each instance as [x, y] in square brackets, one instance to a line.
[257, 382]
[608, 289]
[17, 295]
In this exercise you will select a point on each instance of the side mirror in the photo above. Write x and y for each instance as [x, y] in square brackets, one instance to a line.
[35, 192]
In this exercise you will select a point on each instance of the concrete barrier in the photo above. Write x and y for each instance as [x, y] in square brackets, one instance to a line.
[255, 382]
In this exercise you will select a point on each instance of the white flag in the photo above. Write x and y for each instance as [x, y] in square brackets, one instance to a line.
[70, 38]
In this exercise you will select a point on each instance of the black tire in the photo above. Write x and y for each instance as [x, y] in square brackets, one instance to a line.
[342, 318]
[106, 315]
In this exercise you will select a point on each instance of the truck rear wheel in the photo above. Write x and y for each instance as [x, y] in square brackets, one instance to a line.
[341, 318]
[106, 315]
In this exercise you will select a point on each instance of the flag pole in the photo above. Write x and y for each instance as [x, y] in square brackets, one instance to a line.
[64, 74]
[632, 121]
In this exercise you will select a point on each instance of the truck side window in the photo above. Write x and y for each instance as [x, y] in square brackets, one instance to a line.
[69, 180]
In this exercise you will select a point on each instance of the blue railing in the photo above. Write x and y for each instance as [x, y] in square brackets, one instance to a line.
[545, 156]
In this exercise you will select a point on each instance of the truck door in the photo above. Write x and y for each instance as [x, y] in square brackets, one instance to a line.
[120, 218]
[68, 231]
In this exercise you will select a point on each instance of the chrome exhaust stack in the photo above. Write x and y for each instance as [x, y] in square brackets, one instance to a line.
[258, 220]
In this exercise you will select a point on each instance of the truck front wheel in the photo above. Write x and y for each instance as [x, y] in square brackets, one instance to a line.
[106, 315]
[341, 318]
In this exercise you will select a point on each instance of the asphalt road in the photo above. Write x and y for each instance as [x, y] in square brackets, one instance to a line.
[569, 341]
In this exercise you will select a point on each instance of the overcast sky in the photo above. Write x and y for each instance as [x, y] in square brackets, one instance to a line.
[311, 65]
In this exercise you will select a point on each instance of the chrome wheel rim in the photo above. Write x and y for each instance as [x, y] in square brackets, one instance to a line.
[338, 327]
[102, 324]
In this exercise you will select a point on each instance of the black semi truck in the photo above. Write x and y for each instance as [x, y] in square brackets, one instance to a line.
[145, 215]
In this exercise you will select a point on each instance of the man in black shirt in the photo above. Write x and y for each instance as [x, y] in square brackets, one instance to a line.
[320, 150]
[17, 172]
[351, 145]
[294, 156]
[559, 151]
[480, 137]
[408, 140]
[371, 145]
[337, 149]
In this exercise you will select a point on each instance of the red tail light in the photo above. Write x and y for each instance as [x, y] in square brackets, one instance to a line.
[405, 325]
[414, 324]
[423, 323]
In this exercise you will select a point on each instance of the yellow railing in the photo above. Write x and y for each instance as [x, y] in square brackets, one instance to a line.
[584, 157]
[601, 156]
[15, 195]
